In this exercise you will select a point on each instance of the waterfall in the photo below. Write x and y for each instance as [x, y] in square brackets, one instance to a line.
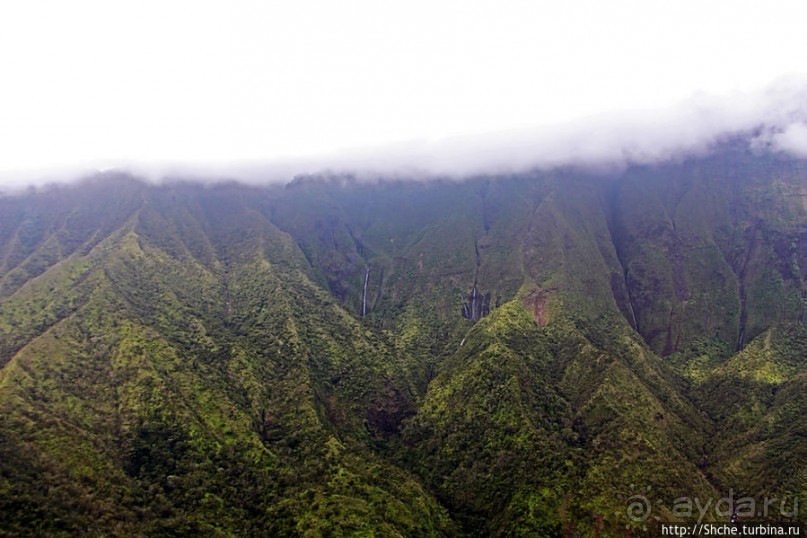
[364, 293]
[630, 303]
[473, 303]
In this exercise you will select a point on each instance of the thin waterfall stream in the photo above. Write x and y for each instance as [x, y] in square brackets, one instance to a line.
[364, 293]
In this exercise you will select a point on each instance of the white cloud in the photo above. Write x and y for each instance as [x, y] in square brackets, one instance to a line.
[692, 126]
[792, 140]
[91, 83]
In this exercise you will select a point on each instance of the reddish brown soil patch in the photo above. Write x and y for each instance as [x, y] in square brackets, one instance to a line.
[536, 302]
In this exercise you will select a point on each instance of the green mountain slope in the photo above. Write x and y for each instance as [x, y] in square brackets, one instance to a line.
[503, 356]
[182, 398]
[757, 397]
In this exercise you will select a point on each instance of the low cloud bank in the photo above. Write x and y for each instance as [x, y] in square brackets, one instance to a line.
[774, 120]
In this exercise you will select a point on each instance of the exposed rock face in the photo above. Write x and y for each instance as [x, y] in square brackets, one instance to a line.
[536, 302]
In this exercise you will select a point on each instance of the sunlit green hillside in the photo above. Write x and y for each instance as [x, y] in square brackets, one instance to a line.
[502, 356]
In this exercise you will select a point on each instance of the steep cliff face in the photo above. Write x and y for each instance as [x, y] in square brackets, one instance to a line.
[712, 248]
[706, 247]
[499, 356]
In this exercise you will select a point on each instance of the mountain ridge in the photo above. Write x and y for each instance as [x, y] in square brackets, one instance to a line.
[500, 356]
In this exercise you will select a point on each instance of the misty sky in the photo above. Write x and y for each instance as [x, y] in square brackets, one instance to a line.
[446, 85]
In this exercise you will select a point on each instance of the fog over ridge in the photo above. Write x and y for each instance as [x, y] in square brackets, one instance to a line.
[774, 119]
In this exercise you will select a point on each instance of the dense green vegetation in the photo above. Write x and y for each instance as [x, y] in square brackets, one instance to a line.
[187, 360]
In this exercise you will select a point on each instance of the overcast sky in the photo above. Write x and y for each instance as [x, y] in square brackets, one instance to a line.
[221, 83]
